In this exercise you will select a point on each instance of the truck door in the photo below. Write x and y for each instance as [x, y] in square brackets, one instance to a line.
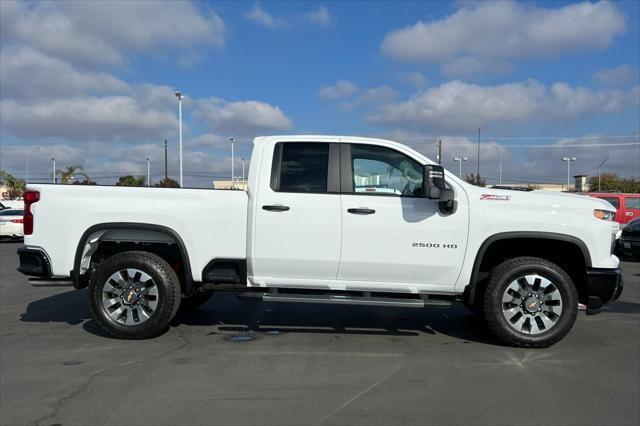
[297, 232]
[390, 234]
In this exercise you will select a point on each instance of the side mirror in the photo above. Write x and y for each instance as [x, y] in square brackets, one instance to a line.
[433, 181]
[434, 188]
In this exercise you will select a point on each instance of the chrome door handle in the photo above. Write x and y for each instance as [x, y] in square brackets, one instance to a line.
[361, 210]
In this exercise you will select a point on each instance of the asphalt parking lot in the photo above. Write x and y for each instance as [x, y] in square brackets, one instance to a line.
[241, 362]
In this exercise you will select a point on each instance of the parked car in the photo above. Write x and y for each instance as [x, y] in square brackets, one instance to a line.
[328, 219]
[627, 205]
[629, 242]
[11, 223]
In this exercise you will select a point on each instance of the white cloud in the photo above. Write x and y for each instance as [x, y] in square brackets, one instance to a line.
[415, 79]
[619, 76]
[240, 118]
[26, 73]
[91, 118]
[460, 107]
[320, 16]
[342, 89]
[99, 32]
[260, 16]
[370, 98]
[482, 32]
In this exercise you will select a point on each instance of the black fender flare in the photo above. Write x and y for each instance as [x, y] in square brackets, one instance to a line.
[75, 274]
[470, 290]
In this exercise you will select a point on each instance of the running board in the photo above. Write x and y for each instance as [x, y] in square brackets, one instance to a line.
[50, 282]
[335, 299]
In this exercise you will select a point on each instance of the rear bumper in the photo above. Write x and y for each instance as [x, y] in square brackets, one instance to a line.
[34, 262]
[604, 286]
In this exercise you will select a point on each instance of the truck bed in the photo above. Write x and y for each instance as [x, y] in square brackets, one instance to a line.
[211, 223]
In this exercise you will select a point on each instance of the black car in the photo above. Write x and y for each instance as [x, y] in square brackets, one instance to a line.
[629, 243]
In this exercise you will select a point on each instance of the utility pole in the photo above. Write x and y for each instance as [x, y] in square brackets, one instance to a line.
[180, 97]
[148, 174]
[499, 165]
[243, 171]
[568, 160]
[478, 168]
[440, 151]
[53, 176]
[233, 184]
[165, 159]
[599, 167]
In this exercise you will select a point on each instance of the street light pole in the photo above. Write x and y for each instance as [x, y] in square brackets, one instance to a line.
[568, 160]
[460, 160]
[53, 176]
[599, 167]
[233, 184]
[243, 170]
[180, 97]
[148, 173]
[499, 165]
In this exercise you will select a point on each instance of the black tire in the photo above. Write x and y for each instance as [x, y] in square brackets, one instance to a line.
[505, 274]
[193, 302]
[168, 294]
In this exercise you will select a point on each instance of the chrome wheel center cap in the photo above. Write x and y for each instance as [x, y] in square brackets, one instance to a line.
[531, 305]
[129, 297]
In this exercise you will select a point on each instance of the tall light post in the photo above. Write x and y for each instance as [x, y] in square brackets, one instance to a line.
[180, 97]
[53, 176]
[599, 167]
[148, 173]
[568, 160]
[233, 183]
[243, 171]
[29, 151]
[499, 165]
[460, 160]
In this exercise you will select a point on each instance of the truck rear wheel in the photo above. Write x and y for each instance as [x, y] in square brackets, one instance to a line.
[134, 295]
[530, 302]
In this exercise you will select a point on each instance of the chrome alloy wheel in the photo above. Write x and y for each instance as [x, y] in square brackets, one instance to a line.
[532, 304]
[129, 297]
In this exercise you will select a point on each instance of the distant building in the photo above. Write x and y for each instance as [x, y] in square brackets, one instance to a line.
[581, 184]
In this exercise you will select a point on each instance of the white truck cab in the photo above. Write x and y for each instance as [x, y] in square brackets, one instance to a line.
[329, 219]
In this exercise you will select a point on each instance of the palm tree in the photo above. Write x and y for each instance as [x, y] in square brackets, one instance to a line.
[71, 172]
[15, 186]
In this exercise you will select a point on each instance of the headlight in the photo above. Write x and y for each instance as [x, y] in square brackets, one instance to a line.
[604, 214]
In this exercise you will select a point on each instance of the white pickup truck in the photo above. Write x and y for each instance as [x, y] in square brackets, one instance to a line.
[328, 219]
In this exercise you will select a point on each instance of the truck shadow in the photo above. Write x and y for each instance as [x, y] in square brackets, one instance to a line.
[228, 315]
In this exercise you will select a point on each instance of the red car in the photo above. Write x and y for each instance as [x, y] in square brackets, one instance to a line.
[628, 205]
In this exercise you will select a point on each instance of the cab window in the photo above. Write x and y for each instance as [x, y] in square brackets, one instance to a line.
[612, 200]
[633, 203]
[379, 170]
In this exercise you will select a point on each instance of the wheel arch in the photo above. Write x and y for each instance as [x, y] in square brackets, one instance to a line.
[513, 237]
[135, 233]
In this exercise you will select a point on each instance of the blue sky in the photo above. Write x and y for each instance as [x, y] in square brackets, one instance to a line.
[93, 82]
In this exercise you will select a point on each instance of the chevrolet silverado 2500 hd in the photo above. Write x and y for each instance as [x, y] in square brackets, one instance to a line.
[328, 220]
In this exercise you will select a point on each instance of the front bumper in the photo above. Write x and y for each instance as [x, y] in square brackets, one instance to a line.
[604, 286]
[34, 262]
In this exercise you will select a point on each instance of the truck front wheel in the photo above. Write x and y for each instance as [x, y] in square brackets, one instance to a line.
[134, 295]
[530, 302]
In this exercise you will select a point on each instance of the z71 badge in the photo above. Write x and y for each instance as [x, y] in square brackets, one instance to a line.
[495, 197]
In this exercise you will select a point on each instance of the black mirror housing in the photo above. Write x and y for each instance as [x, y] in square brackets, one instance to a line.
[433, 181]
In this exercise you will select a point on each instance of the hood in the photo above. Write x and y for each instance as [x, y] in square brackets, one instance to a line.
[542, 197]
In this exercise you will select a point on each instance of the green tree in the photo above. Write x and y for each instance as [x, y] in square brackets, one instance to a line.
[475, 180]
[72, 172]
[129, 180]
[610, 182]
[167, 183]
[15, 186]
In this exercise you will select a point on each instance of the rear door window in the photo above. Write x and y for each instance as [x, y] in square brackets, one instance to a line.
[633, 203]
[303, 167]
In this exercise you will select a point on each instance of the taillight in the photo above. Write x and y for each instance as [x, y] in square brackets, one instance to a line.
[30, 197]
[17, 220]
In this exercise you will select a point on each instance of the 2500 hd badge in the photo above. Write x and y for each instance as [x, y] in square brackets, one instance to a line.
[435, 245]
